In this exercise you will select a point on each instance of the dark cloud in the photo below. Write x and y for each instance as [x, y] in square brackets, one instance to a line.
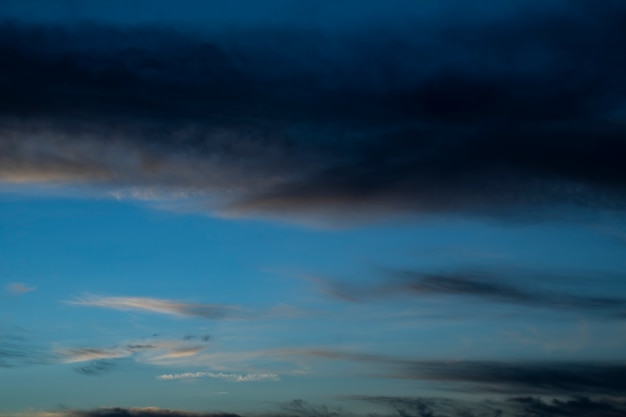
[506, 114]
[143, 412]
[92, 368]
[391, 406]
[518, 407]
[204, 338]
[548, 378]
[504, 377]
[496, 285]
[437, 407]
[139, 347]
[578, 407]
[303, 408]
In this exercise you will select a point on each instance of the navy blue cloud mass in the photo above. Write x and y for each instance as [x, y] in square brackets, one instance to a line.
[510, 114]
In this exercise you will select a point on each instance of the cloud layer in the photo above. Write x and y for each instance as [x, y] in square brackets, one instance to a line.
[501, 115]
[394, 407]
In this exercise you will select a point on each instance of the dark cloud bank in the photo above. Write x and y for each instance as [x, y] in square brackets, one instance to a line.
[404, 407]
[501, 377]
[506, 115]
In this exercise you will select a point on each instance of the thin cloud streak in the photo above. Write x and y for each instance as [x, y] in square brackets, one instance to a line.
[497, 286]
[231, 377]
[502, 377]
[96, 360]
[161, 306]
[17, 351]
[180, 353]
[89, 354]
[19, 288]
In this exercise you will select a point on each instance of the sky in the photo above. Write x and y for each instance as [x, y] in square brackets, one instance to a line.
[312, 208]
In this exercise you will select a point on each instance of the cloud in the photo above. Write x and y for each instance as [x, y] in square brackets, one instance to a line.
[303, 408]
[96, 367]
[503, 115]
[89, 354]
[495, 285]
[430, 407]
[204, 337]
[392, 406]
[516, 406]
[541, 377]
[184, 309]
[502, 377]
[578, 407]
[19, 288]
[161, 306]
[97, 361]
[17, 351]
[231, 377]
[141, 412]
[180, 353]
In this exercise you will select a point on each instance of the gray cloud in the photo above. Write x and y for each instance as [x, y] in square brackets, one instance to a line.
[141, 412]
[96, 367]
[507, 115]
[516, 406]
[502, 377]
[16, 350]
[495, 285]
[397, 407]
[303, 408]
[578, 407]
[548, 378]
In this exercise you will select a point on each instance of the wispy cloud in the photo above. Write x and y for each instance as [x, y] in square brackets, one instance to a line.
[504, 377]
[180, 353]
[96, 360]
[495, 285]
[19, 288]
[161, 306]
[231, 377]
[86, 354]
[16, 350]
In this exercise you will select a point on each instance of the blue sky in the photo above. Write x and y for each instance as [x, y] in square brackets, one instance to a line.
[312, 208]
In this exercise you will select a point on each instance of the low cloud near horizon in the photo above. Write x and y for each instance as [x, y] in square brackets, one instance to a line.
[387, 406]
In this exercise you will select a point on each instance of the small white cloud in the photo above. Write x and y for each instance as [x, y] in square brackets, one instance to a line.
[19, 288]
[254, 377]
